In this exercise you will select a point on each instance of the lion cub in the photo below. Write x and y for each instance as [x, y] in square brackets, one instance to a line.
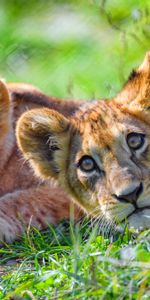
[98, 152]
[100, 155]
[25, 199]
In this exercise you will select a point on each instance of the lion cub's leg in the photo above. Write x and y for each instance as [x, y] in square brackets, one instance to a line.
[37, 207]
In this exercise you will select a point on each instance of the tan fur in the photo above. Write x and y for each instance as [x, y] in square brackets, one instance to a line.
[54, 144]
[25, 199]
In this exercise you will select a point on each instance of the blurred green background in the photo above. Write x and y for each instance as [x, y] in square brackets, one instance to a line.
[78, 49]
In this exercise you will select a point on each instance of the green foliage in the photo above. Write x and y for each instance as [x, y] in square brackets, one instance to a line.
[82, 49]
[62, 263]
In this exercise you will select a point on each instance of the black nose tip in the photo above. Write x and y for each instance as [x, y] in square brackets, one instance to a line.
[132, 197]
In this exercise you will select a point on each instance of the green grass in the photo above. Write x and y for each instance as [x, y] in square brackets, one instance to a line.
[61, 263]
[90, 60]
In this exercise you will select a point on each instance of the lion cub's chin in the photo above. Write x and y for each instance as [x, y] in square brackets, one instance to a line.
[140, 220]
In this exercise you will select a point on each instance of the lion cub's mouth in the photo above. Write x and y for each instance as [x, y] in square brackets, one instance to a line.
[137, 210]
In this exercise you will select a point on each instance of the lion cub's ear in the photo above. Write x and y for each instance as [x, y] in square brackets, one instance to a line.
[137, 89]
[43, 135]
[135, 96]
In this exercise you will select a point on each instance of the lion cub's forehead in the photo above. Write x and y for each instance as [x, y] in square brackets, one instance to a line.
[100, 123]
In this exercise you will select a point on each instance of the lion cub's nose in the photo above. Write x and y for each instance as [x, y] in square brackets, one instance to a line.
[132, 197]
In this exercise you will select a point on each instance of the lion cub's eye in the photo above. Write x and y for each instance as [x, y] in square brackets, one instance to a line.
[135, 140]
[87, 164]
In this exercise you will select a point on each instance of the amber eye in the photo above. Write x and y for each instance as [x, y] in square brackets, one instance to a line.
[86, 164]
[135, 140]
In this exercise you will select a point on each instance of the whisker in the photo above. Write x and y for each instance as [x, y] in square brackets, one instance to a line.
[95, 210]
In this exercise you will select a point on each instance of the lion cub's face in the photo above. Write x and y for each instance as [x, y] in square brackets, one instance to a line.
[109, 165]
[101, 157]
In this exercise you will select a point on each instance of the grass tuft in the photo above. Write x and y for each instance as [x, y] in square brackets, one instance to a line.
[60, 263]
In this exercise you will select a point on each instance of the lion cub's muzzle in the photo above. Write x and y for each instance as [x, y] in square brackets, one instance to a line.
[132, 195]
